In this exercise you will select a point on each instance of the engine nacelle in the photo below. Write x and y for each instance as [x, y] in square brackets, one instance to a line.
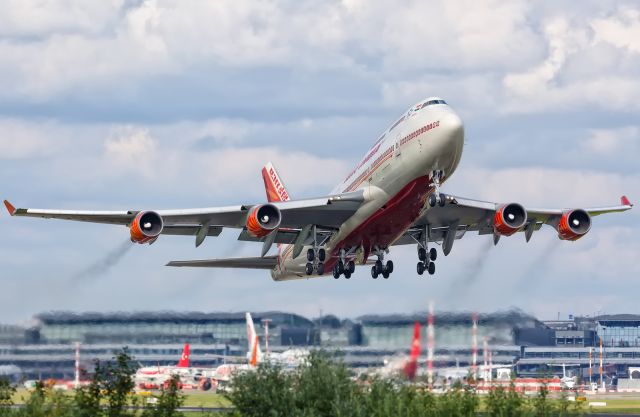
[263, 220]
[574, 224]
[509, 219]
[146, 227]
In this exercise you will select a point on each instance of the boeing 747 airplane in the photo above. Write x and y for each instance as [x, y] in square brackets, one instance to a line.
[392, 197]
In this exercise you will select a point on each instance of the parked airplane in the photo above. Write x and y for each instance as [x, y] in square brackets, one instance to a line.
[288, 358]
[402, 365]
[392, 197]
[154, 376]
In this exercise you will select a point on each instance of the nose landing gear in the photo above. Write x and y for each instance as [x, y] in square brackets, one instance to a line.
[437, 198]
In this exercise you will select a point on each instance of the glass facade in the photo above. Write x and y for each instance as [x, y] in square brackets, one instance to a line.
[619, 333]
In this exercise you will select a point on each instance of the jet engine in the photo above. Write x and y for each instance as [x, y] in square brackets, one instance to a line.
[146, 227]
[509, 219]
[263, 219]
[574, 224]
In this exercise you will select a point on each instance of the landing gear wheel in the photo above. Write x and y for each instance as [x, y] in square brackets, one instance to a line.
[320, 268]
[385, 274]
[374, 272]
[422, 254]
[420, 268]
[378, 266]
[336, 274]
[432, 200]
[351, 267]
[432, 268]
[347, 274]
[389, 267]
[433, 254]
[443, 200]
[311, 255]
[340, 267]
[322, 255]
[308, 268]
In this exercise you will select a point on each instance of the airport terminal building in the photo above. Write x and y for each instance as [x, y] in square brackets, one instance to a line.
[45, 349]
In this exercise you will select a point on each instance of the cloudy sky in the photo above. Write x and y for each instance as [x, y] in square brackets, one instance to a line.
[126, 104]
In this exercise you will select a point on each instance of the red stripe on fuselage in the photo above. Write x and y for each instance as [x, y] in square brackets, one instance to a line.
[388, 223]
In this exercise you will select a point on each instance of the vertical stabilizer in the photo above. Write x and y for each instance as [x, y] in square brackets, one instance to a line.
[412, 364]
[184, 359]
[254, 353]
[273, 185]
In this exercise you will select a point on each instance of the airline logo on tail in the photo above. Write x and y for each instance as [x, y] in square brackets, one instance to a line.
[412, 364]
[273, 184]
[254, 354]
[184, 359]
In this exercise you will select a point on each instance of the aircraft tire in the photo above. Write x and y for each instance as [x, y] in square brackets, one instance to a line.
[420, 268]
[422, 254]
[340, 267]
[374, 272]
[320, 268]
[351, 266]
[432, 268]
[378, 266]
[336, 274]
[347, 274]
[432, 200]
[385, 274]
[308, 268]
[322, 255]
[443, 200]
[310, 255]
[433, 254]
[389, 267]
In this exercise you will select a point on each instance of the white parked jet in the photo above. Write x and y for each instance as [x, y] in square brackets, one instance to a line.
[392, 197]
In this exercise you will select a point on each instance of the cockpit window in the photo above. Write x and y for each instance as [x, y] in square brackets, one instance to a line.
[430, 102]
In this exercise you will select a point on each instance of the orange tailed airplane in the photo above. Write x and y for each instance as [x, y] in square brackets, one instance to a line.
[392, 197]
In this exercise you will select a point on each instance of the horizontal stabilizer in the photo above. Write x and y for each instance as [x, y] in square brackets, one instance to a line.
[268, 262]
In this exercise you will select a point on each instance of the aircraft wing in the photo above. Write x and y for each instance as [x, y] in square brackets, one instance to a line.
[328, 212]
[460, 215]
[267, 262]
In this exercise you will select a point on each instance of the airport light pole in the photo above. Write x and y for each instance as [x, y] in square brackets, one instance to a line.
[265, 323]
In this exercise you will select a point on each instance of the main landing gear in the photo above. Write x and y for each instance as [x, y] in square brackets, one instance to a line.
[344, 267]
[315, 261]
[380, 268]
[427, 259]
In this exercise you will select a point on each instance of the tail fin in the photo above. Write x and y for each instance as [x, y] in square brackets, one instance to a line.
[254, 354]
[184, 359]
[412, 364]
[273, 184]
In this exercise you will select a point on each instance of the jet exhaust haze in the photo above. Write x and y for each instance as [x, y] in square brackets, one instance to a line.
[471, 271]
[102, 265]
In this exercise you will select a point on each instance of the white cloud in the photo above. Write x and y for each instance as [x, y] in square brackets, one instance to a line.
[624, 140]
[133, 150]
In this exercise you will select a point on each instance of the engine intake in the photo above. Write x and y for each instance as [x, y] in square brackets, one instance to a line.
[146, 227]
[574, 224]
[509, 219]
[263, 220]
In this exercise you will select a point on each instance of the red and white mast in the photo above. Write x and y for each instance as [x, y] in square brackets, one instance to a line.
[430, 345]
[474, 346]
[76, 382]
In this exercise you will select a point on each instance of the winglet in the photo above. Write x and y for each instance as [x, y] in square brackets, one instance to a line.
[623, 200]
[10, 208]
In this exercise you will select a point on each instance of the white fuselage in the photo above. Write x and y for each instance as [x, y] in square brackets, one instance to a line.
[392, 172]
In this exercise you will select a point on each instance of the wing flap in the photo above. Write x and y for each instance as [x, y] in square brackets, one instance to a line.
[268, 262]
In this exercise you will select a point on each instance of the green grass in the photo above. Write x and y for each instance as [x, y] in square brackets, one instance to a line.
[192, 398]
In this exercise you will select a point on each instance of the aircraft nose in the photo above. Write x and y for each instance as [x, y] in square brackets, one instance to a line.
[453, 128]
